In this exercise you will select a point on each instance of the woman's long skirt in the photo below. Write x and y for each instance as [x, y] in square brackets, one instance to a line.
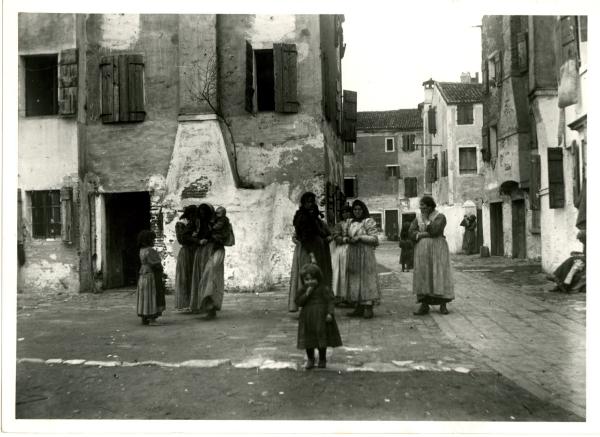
[183, 276]
[339, 267]
[201, 257]
[470, 242]
[363, 282]
[150, 299]
[212, 282]
[432, 275]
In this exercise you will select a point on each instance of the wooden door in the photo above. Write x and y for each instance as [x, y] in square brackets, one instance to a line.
[496, 232]
[391, 223]
[519, 241]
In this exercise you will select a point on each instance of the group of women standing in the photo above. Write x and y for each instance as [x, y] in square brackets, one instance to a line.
[199, 275]
[348, 263]
[345, 256]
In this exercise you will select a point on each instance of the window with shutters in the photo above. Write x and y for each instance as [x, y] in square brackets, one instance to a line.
[349, 115]
[41, 85]
[408, 143]
[556, 181]
[272, 79]
[467, 160]
[350, 187]
[431, 171]
[464, 114]
[45, 214]
[390, 145]
[265, 80]
[485, 144]
[410, 187]
[392, 171]
[122, 88]
[349, 147]
[431, 121]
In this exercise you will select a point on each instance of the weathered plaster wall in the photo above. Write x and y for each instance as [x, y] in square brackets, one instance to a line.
[124, 155]
[47, 160]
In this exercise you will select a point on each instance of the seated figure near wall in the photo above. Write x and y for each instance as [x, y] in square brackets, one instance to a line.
[570, 276]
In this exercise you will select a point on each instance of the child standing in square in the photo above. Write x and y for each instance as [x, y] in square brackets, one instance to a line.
[316, 323]
[150, 290]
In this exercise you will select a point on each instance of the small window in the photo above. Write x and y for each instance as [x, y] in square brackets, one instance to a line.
[377, 217]
[408, 143]
[556, 180]
[41, 85]
[431, 120]
[265, 80]
[45, 214]
[349, 147]
[390, 145]
[467, 160]
[351, 187]
[410, 187]
[393, 171]
[464, 114]
[122, 88]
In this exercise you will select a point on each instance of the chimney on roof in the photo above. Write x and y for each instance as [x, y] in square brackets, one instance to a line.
[465, 78]
[476, 78]
[428, 89]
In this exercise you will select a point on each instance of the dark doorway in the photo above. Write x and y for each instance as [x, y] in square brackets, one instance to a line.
[265, 80]
[519, 240]
[496, 232]
[126, 215]
[391, 224]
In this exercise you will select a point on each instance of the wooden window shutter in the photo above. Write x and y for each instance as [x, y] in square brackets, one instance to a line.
[431, 120]
[338, 105]
[486, 79]
[349, 116]
[66, 209]
[534, 184]
[556, 182]
[67, 82]
[576, 175]
[485, 144]
[135, 88]
[249, 95]
[404, 143]
[109, 104]
[285, 60]
[431, 170]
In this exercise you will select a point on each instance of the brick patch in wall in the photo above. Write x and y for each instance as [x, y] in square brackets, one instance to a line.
[197, 189]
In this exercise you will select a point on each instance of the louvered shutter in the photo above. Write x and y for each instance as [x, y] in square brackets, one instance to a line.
[67, 82]
[485, 144]
[431, 170]
[285, 59]
[66, 207]
[249, 92]
[431, 120]
[109, 104]
[576, 174]
[556, 182]
[326, 91]
[534, 184]
[349, 118]
[135, 88]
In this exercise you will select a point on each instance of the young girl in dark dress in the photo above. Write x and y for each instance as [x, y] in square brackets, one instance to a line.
[150, 289]
[316, 324]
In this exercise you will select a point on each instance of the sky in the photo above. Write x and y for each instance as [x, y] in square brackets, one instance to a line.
[389, 55]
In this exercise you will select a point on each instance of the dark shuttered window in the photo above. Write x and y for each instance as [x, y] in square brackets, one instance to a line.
[41, 83]
[410, 187]
[67, 82]
[350, 187]
[286, 77]
[534, 184]
[556, 181]
[464, 114]
[576, 173]
[249, 93]
[122, 88]
[431, 121]
[349, 116]
[444, 163]
[467, 160]
[45, 214]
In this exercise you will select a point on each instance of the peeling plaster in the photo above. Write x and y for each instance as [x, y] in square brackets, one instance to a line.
[119, 31]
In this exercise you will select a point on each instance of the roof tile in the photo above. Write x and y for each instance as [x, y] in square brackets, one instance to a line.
[457, 92]
[401, 119]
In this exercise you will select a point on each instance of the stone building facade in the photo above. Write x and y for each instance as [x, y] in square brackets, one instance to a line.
[384, 167]
[243, 111]
[452, 118]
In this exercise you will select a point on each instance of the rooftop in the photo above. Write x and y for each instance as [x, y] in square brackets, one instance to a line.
[456, 92]
[401, 119]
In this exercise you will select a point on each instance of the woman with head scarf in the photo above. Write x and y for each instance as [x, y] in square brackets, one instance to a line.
[407, 248]
[432, 275]
[363, 285]
[310, 237]
[184, 230]
[339, 254]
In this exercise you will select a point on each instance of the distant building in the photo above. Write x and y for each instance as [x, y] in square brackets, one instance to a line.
[127, 118]
[384, 167]
[452, 119]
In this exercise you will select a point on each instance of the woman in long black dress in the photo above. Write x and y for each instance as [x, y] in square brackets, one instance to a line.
[184, 230]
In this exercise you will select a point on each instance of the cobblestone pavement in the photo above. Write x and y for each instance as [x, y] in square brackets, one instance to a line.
[497, 324]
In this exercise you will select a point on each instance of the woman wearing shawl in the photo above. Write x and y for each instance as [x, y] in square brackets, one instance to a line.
[363, 286]
[310, 238]
[432, 275]
[184, 230]
[469, 245]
